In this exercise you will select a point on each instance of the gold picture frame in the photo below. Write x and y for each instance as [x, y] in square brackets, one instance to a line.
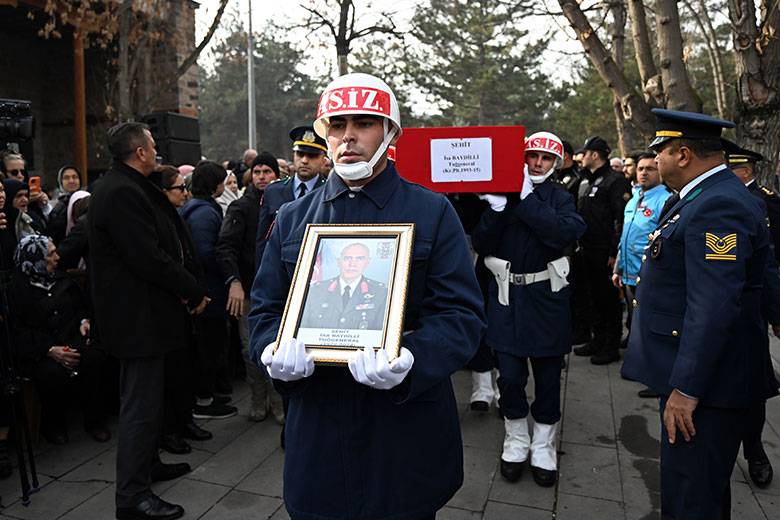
[349, 290]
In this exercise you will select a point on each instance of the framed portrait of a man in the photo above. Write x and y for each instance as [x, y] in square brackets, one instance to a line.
[349, 290]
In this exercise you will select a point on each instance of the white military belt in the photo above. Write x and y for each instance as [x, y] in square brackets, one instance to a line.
[529, 278]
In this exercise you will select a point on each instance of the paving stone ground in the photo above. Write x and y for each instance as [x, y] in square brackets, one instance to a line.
[609, 443]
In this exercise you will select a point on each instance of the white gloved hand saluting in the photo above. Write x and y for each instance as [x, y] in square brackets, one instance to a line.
[373, 369]
[528, 185]
[497, 202]
[290, 361]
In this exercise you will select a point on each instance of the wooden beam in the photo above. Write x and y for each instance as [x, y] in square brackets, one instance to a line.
[79, 106]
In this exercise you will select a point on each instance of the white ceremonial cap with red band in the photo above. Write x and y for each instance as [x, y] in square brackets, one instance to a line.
[353, 94]
[544, 142]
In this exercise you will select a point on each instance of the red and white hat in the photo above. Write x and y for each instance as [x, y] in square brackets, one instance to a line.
[356, 93]
[546, 142]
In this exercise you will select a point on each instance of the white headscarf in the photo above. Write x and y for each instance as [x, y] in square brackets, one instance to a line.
[227, 196]
[77, 196]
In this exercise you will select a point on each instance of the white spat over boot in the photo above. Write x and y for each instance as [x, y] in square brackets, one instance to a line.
[517, 442]
[481, 390]
[544, 457]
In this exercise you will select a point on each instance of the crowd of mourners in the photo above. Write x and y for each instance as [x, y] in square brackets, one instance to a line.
[44, 255]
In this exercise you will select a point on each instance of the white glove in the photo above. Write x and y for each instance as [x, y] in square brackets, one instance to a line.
[289, 363]
[372, 369]
[497, 202]
[528, 185]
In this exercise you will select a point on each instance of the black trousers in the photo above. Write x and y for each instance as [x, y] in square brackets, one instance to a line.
[179, 390]
[482, 360]
[581, 319]
[512, 379]
[629, 291]
[604, 299]
[56, 389]
[141, 393]
[752, 447]
[695, 475]
[211, 343]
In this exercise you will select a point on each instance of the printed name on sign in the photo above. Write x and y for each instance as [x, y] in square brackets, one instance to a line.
[354, 98]
[462, 160]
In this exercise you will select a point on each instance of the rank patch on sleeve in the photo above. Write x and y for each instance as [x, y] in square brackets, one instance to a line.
[720, 248]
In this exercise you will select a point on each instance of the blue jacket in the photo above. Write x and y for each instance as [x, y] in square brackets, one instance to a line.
[640, 218]
[353, 452]
[530, 233]
[697, 323]
[204, 219]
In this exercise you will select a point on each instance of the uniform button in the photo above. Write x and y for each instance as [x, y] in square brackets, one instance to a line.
[56, 312]
[675, 333]
[48, 294]
[644, 257]
[351, 195]
[634, 303]
[342, 320]
[638, 279]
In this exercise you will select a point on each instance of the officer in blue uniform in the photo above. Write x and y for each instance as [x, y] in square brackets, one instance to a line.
[524, 242]
[697, 330]
[309, 158]
[742, 161]
[377, 439]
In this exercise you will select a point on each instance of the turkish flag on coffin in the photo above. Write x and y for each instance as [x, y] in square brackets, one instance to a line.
[475, 159]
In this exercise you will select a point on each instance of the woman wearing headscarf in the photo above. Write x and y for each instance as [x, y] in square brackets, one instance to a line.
[52, 326]
[74, 248]
[20, 222]
[230, 193]
[68, 182]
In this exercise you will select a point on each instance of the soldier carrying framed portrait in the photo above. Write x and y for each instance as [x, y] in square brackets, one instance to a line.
[349, 290]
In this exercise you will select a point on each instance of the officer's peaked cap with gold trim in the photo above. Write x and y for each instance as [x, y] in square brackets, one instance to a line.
[305, 139]
[738, 156]
[674, 124]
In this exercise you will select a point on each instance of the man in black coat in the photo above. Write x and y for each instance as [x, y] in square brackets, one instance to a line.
[236, 257]
[139, 287]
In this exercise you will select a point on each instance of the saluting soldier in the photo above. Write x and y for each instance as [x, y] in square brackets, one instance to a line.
[741, 161]
[350, 300]
[524, 242]
[697, 323]
[309, 159]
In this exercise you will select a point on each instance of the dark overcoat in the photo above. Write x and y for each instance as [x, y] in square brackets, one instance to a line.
[136, 266]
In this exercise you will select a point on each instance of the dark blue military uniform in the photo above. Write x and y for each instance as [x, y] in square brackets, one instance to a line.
[276, 194]
[354, 452]
[536, 324]
[697, 325]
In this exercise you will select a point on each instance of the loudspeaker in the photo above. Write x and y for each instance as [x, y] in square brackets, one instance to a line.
[178, 152]
[170, 125]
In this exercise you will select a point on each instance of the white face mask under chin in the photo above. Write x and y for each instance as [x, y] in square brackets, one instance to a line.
[538, 179]
[363, 170]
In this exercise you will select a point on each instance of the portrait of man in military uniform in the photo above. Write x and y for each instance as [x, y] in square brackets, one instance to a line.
[349, 300]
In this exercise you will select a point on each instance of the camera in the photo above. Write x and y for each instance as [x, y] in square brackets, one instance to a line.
[16, 120]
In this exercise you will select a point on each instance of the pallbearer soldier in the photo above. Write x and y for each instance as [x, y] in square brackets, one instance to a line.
[697, 322]
[528, 304]
[378, 439]
[741, 162]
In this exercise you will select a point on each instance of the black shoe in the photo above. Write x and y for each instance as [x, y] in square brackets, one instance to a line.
[195, 433]
[6, 468]
[150, 508]
[480, 406]
[162, 472]
[589, 349]
[173, 443]
[214, 411]
[512, 471]
[648, 393]
[544, 477]
[760, 471]
[605, 358]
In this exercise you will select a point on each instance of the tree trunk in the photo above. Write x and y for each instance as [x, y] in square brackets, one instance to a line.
[712, 49]
[677, 86]
[757, 60]
[717, 53]
[627, 134]
[631, 104]
[652, 87]
[123, 60]
[343, 64]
